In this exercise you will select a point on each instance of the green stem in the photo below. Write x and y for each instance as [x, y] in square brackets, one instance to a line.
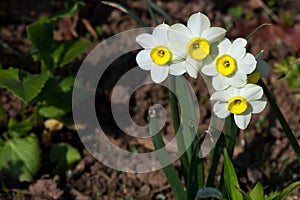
[231, 132]
[215, 161]
[196, 168]
[169, 170]
[287, 130]
[176, 124]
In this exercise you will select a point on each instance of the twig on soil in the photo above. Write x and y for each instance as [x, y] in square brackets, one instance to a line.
[89, 28]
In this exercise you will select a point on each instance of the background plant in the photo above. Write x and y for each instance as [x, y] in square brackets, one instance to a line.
[47, 94]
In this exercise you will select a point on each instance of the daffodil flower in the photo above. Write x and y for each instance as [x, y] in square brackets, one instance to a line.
[240, 102]
[231, 65]
[157, 55]
[194, 42]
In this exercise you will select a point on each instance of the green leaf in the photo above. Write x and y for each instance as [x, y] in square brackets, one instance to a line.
[208, 192]
[153, 17]
[188, 113]
[236, 11]
[41, 37]
[288, 190]
[22, 84]
[169, 170]
[68, 12]
[51, 112]
[256, 29]
[64, 155]
[230, 179]
[57, 95]
[20, 158]
[215, 159]
[125, 10]
[285, 126]
[247, 196]
[231, 134]
[176, 125]
[19, 129]
[161, 11]
[67, 83]
[66, 51]
[257, 192]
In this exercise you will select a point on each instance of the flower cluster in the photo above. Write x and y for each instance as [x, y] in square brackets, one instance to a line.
[199, 48]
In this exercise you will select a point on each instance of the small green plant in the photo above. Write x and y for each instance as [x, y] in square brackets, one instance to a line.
[257, 192]
[289, 69]
[46, 93]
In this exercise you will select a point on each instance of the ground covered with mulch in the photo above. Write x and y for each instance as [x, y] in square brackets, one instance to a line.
[263, 152]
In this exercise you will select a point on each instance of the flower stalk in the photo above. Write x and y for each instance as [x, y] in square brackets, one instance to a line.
[286, 128]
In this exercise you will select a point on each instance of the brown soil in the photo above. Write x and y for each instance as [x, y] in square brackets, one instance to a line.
[263, 153]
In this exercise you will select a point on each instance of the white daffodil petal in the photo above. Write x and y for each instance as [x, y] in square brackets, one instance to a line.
[178, 52]
[209, 70]
[209, 67]
[197, 23]
[193, 67]
[178, 68]
[179, 34]
[159, 73]
[262, 67]
[192, 71]
[220, 109]
[251, 92]
[233, 91]
[242, 121]
[221, 95]
[248, 63]
[213, 34]
[160, 34]
[258, 105]
[219, 82]
[146, 40]
[223, 46]
[239, 79]
[239, 43]
[237, 49]
[144, 60]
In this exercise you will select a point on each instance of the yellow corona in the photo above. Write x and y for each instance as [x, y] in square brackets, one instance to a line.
[161, 55]
[237, 105]
[198, 48]
[226, 65]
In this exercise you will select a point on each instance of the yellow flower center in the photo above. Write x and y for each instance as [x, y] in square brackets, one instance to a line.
[226, 65]
[198, 48]
[237, 105]
[254, 77]
[160, 55]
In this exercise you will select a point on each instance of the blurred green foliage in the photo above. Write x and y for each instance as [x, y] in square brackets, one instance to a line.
[48, 95]
[289, 69]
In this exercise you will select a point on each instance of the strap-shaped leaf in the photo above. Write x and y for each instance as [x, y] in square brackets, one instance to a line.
[230, 179]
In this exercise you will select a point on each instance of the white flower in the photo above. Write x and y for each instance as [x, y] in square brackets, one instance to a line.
[240, 102]
[194, 42]
[157, 55]
[231, 66]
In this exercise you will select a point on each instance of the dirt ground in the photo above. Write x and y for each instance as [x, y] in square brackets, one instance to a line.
[263, 153]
